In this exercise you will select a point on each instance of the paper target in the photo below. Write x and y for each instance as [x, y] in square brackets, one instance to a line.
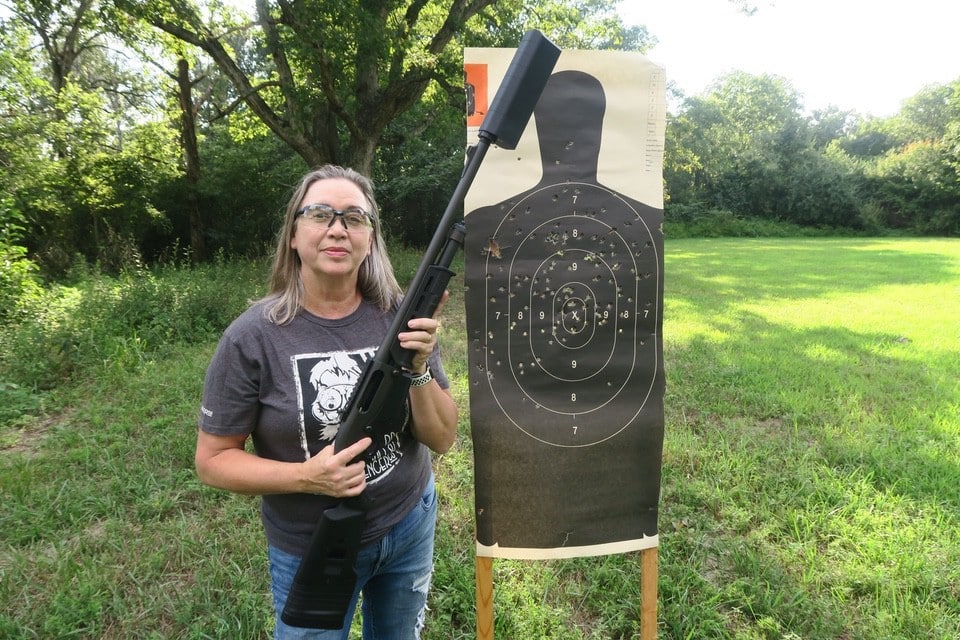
[571, 306]
[564, 286]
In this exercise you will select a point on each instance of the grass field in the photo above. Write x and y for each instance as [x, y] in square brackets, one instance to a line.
[811, 472]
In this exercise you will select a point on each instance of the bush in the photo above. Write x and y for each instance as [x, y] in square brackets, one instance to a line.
[16, 401]
[17, 273]
[697, 221]
[118, 322]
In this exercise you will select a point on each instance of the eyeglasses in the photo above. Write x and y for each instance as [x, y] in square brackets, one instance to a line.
[353, 218]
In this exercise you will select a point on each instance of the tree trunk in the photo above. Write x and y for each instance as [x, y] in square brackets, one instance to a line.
[191, 158]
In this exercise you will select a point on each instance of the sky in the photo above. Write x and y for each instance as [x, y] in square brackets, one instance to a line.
[862, 55]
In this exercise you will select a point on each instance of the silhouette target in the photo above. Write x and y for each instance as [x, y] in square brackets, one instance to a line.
[564, 313]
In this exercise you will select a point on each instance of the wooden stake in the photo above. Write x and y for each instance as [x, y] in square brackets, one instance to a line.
[484, 577]
[648, 594]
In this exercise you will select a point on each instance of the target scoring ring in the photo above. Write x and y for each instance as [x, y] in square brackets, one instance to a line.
[564, 302]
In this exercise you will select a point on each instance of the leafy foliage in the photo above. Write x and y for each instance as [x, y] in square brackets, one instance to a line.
[916, 183]
[571, 24]
[111, 324]
[339, 72]
[746, 148]
[18, 281]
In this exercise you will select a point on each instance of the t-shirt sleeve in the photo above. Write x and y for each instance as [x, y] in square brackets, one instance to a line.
[231, 388]
[436, 368]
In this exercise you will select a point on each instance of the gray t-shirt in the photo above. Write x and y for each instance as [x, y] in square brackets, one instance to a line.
[286, 386]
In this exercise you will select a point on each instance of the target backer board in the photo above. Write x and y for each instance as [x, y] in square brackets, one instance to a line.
[564, 291]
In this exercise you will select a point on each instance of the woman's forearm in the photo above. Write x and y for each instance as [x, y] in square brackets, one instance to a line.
[434, 414]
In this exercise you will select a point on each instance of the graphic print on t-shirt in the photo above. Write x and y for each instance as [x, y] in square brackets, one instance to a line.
[324, 383]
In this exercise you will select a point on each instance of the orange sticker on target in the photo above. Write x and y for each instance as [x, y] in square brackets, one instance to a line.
[476, 87]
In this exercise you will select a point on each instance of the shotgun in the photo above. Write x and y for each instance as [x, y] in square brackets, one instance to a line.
[325, 581]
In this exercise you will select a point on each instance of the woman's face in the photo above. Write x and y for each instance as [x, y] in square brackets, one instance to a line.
[332, 251]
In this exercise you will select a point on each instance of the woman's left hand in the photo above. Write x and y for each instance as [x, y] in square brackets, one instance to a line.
[433, 411]
[422, 336]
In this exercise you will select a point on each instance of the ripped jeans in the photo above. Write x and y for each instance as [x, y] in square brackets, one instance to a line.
[393, 575]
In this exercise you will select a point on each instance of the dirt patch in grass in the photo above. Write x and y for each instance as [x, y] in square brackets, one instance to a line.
[26, 436]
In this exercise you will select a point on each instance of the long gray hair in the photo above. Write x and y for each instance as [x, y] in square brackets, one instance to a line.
[376, 280]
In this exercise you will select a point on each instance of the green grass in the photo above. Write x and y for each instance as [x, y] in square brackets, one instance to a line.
[811, 472]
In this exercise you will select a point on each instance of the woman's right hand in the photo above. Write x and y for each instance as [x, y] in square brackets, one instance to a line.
[339, 475]
[224, 462]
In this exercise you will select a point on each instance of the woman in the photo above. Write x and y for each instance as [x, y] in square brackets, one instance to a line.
[281, 375]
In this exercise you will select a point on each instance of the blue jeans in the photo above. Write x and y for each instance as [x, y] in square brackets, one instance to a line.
[393, 575]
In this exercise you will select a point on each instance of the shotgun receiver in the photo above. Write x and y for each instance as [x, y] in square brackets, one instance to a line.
[325, 581]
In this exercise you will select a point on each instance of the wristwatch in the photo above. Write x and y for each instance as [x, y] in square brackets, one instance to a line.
[421, 379]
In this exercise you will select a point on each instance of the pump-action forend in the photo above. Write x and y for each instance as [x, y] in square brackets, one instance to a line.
[325, 581]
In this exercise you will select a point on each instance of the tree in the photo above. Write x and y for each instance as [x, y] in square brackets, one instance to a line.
[191, 155]
[831, 124]
[82, 175]
[735, 138]
[67, 32]
[926, 115]
[912, 179]
[745, 147]
[341, 71]
[571, 24]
